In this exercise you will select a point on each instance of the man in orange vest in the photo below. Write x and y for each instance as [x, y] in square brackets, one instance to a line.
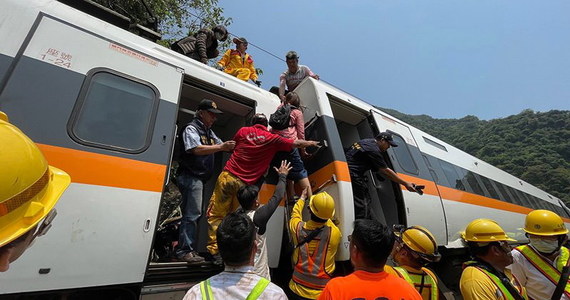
[416, 247]
[486, 276]
[316, 242]
[539, 264]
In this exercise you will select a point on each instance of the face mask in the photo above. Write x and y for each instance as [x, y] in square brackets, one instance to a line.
[544, 246]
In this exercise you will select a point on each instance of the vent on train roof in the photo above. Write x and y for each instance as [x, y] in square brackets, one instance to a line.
[148, 31]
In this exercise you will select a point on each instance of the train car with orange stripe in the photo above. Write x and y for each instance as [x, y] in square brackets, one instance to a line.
[105, 105]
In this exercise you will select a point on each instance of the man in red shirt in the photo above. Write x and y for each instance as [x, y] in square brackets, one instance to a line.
[370, 245]
[254, 150]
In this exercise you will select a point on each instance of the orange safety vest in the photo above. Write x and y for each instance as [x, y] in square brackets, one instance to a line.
[545, 267]
[310, 268]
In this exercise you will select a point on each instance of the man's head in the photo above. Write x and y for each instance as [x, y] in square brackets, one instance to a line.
[208, 112]
[259, 118]
[241, 44]
[385, 140]
[247, 197]
[236, 239]
[220, 32]
[321, 207]
[292, 60]
[545, 230]
[415, 246]
[487, 241]
[30, 190]
[293, 99]
[370, 244]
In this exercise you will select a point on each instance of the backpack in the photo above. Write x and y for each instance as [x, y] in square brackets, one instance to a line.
[279, 120]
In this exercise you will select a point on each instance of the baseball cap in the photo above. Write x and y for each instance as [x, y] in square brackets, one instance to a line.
[210, 106]
[240, 40]
[387, 137]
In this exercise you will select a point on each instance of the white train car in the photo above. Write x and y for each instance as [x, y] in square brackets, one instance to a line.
[103, 104]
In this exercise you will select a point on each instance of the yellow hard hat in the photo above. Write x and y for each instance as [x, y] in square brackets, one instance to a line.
[419, 240]
[29, 187]
[322, 205]
[484, 231]
[544, 222]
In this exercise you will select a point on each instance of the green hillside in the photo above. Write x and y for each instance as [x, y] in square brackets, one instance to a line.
[534, 146]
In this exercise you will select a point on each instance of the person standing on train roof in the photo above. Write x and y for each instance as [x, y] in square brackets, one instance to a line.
[295, 131]
[539, 264]
[195, 169]
[316, 242]
[238, 63]
[29, 190]
[366, 155]
[369, 244]
[248, 197]
[294, 74]
[486, 276]
[415, 247]
[202, 45]
[254, 149]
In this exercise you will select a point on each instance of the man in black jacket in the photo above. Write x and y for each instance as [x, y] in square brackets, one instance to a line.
[203, 45]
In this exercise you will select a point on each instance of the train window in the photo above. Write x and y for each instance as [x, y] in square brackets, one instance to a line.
[528, 199]
[431, 170]
[470, 176]
[489, 186]
[516, 198]
[535, 202]
[502, 189]
[522, 197]
[435, 144]
[451, 175]
[403, 155]
[114, 111]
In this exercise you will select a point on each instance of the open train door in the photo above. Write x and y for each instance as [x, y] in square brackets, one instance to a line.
[327, 168]
[427, 209]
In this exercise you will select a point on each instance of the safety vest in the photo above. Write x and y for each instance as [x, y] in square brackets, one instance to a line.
[547, 269]
[420, 281]
[497, 281]
[206, 289]
[310, 268]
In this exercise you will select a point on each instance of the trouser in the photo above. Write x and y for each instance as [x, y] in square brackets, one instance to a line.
[241, 73]
[362, 197]
[192, 190]
[223, 201]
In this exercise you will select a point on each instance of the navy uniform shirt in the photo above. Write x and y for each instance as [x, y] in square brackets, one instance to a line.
[364, 155]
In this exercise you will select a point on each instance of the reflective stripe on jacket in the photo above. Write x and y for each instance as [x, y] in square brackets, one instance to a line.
[207, 294]
[420, 281]
[497, 281]
[310, 268]
[545, 267]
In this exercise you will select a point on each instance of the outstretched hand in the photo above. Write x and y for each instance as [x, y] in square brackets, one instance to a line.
[284, 168]
[304, 193]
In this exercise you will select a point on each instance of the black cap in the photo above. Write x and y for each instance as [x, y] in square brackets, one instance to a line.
[210, 106]
[291, 55]
[387, 137]
[239, 40]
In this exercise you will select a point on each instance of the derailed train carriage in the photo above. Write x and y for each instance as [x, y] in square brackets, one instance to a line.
[104, 104]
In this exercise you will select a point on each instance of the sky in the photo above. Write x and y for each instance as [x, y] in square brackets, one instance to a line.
[446, 59]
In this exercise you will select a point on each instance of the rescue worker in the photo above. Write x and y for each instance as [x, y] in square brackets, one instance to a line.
[415, 247]
[29, 189]
[538, 265]
[316, 242]
[486, 276]
[294, 74]
[238, 63]
[366, 155]
[254, 149]
[195, 169]
[236, 239]
[202, 45]
[369, 244]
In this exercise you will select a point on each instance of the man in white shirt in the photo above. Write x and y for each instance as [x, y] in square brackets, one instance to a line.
[236, 243]
[538, 265]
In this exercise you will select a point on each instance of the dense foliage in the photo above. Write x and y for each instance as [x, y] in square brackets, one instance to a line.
[534, 146]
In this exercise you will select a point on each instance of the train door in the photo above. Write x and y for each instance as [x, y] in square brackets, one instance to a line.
[104, 112]
[427, 209]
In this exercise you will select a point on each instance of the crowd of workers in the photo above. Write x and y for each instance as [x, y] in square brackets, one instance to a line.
[237, 224]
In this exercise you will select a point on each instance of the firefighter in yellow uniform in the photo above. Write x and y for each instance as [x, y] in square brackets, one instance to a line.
[486, 276]
[415, 247]
[29, 189]
[316, 242]
[539, 264]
